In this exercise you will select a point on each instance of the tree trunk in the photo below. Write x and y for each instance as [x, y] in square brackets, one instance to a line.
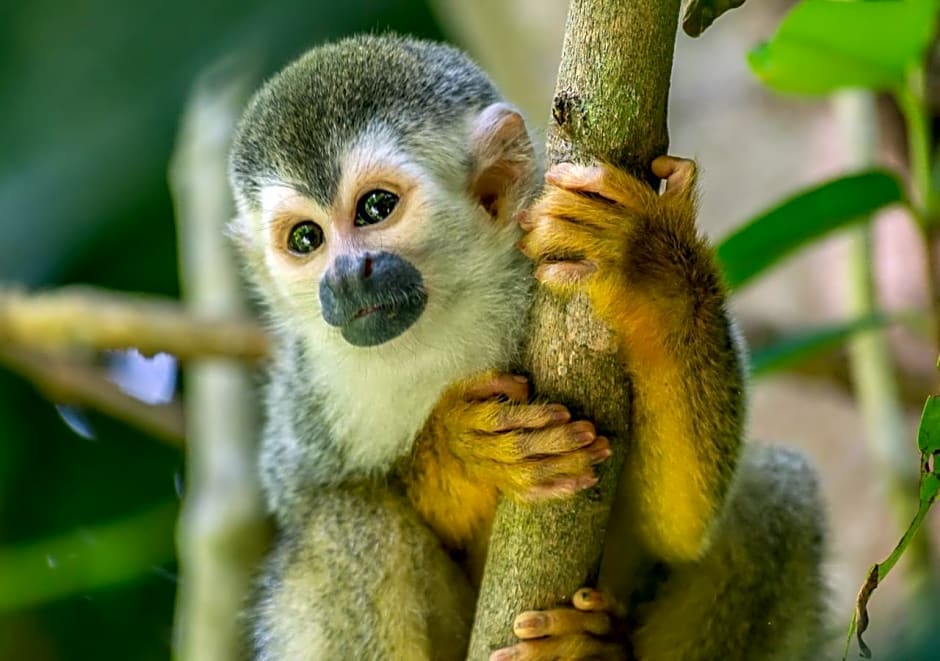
[610, 104]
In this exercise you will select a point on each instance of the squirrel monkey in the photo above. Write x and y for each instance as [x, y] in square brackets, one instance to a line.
[384, 193]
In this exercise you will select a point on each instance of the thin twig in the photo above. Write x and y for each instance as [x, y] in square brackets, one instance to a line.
[68, 381]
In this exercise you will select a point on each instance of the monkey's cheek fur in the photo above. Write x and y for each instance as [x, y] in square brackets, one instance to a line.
[377, 325]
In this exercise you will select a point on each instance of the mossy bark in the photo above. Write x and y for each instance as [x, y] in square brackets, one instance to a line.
[610, 105]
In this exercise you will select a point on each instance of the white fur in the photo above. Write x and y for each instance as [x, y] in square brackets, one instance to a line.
[376, 399]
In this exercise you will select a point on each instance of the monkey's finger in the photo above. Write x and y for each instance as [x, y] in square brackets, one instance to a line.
[562, 648]
[564, 275]
[560, 238]
[604, 181]
[528, 447]
[514, 387]
[560, 622]
[680, 175]
[560, 488]
[558, 475]
[592, 212]
[528, 416]
[591, 599]
[555, 440]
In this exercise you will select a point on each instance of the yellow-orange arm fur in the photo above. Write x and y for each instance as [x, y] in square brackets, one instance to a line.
[652, 278]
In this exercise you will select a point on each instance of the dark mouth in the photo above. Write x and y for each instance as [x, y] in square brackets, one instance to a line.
[372, 309]
[378, 323]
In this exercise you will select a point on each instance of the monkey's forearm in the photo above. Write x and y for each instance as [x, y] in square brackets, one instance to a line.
[458, 509]
[654, 282]
[680, 349]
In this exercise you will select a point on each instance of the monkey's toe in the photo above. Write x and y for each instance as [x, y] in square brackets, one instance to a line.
[562, 648]
[679, 173]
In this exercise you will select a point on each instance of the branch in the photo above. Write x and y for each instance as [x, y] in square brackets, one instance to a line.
[222, 530]
[610, 104]
[75, 317]
[68, 381]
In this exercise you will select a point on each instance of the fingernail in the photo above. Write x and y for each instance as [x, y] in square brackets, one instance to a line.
[533, 622]
[587, 482]
[519, 378]
[560, 415]
[558, 169]
[601, 455]
[506, 654]
[585, 437]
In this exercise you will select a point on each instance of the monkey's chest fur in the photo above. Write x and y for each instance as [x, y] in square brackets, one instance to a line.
[398, 593]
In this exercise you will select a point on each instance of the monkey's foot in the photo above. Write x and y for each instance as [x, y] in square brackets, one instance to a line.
[592, 629]
[526, 450]
[593, 226]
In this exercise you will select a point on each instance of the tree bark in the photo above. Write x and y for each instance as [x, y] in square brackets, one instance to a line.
[610, 105]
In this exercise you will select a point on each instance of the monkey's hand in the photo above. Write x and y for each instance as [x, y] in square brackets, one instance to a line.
[600, 230]
[654, 282]
[485, 437]
[592, 629]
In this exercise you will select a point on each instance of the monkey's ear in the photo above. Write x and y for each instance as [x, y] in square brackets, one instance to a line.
[504, 160]
[236, 230]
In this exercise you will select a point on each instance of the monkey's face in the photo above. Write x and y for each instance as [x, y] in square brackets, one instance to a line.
[411, 245]
[406, 249]
[359, 263]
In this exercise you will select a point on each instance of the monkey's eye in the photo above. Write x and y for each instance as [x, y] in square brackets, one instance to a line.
[374, 207]
[305, 237]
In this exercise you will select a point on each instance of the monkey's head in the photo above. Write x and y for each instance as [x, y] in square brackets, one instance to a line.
[377, 180]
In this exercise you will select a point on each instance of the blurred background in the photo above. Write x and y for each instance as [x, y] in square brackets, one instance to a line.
[92, 94]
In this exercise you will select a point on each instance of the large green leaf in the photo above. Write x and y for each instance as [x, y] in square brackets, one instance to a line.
[791, 350]
[824, 45]
[770, 237]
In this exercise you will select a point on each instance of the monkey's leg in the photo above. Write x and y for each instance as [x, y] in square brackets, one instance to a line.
[757, 594]
[653, 280]
[363, 579]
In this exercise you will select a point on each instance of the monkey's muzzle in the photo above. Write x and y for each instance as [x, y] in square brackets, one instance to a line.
[372, 297]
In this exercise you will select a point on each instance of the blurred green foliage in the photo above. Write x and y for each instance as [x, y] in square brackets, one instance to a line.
[824, 45]
[806, 217]
[91, 95]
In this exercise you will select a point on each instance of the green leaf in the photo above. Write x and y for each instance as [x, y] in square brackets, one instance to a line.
[791, 350]
[87, 559]
[929, 489]
[765, 240]
[824, 45]
[699, 14]
[928, 434]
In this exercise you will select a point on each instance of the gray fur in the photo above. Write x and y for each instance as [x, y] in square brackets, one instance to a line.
[758, 593]
[356, 573]
[320, 109]
[354, 565]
